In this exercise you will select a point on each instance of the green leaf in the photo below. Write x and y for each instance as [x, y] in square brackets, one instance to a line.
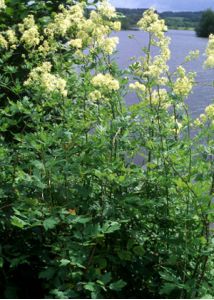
[47, 274]
[64, 262]
[124, 255]
[64, 294]
[38, 164]
[101, 262]
[111, 226]
[168, 287]
[106, 278]
[17, 222]
[207, 296]
[169, 276]
[118, 285]
[90, 286]
[18, 261]
[50, 223]
[139, 250]
[58, 294]
[80, 219]
[1, 262]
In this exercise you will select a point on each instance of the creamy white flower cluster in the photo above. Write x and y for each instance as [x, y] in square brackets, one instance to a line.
[107, 10]
[8, 39]
[65, 20]
[157, 66]
[209, 63]
[208, 116]
[150, 68]
[41, 77]
[12, 38]
[152, 24]
[95, 96]
[160, 98]
[30, 32]
[3, 42]
[210, 111]
[108, 44]
[76, 43]
[194, 54]
[30, 36]
[184, 83]
[93, 33]
[2, 4]
[104, 83]
[137, 86]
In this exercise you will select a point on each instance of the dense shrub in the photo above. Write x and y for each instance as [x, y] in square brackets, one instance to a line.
[206, 24]
[79, 218]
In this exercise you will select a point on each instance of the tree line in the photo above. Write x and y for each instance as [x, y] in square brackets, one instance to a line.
[201, 22]
[80, 218]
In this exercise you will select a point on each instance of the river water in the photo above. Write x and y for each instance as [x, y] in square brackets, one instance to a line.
[182, 42]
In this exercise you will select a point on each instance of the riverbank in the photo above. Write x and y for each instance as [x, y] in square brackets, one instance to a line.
[170, 28]
[174, 20]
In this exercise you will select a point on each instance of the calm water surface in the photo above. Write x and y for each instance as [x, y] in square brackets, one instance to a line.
[181, 43]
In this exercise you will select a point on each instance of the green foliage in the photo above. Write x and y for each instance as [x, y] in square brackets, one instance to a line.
[174, 20]
[79, 218]
[206, 24]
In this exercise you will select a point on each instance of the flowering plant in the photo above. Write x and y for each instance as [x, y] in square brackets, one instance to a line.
[79, 217]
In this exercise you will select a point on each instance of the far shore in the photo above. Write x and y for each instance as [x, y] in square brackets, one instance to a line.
[169, 28]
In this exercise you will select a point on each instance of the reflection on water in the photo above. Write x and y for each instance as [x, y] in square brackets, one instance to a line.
[181, 43]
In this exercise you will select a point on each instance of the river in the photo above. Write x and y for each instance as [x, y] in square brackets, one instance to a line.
[182, 41]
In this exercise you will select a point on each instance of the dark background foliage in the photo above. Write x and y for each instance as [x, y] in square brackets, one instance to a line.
[206, 24]
[80, 219]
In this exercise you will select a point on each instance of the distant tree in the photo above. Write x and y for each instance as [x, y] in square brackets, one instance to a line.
[206, 24]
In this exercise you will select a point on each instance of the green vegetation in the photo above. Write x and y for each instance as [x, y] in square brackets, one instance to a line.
[130, 17]
[79, 218]
[206, 25]
[174, 20]
[181, 20]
